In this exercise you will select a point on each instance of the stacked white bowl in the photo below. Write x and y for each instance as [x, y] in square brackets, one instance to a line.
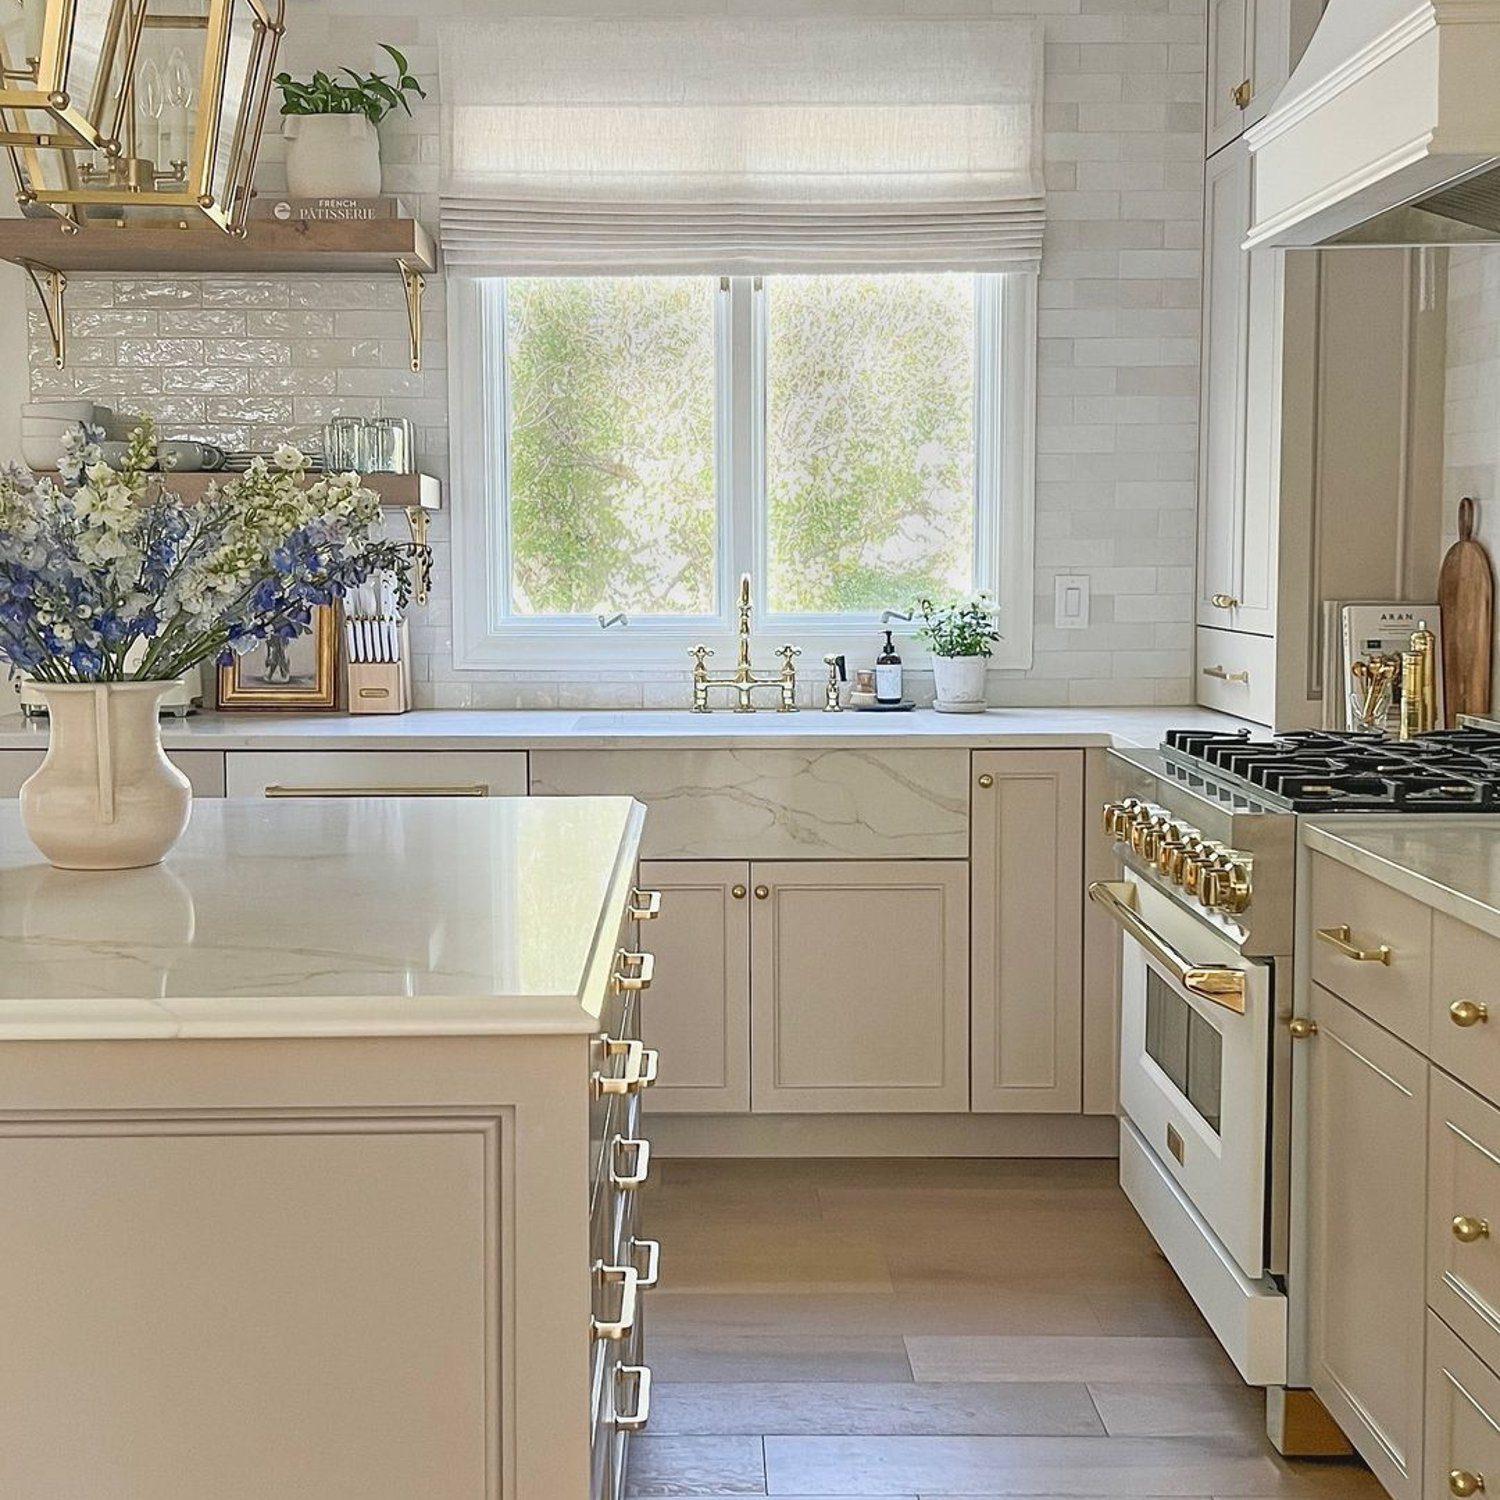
[44, 424]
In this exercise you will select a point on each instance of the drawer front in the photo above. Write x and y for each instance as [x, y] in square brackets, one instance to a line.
[1463, 1206]
[778, 804]
[376, 773]
[1372, 946]
[1237, 674]
[204, 768]
[1466, 1004]
[1463, 1418]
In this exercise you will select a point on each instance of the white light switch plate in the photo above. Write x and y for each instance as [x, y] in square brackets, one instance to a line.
[1072, 602]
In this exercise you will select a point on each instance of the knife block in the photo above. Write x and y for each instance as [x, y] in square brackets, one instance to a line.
[381, 687]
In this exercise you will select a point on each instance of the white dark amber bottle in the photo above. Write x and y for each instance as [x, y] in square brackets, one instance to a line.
[888, 673]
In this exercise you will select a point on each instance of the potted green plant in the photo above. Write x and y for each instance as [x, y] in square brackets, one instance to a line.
[332, 148]
[959, 636]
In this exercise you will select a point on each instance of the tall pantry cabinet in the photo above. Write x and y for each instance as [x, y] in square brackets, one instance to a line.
[1320, 427]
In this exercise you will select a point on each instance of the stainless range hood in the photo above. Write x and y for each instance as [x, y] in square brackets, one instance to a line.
[1388, 132]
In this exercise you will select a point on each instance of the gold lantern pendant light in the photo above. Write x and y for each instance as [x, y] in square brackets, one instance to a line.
[122, 109]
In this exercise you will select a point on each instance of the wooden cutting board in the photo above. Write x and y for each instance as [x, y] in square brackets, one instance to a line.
[1466, 594]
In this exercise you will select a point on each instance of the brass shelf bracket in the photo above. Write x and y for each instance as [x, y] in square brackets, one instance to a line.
[416, 520]
[51, 286]
[415, 283]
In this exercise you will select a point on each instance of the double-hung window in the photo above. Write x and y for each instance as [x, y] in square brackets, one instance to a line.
[736, 296]
[634, 445]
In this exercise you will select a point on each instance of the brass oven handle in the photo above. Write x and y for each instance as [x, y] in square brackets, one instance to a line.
[1224, 987]
[652, 1274]
[629, 1280]
[476, 789]
[643, 965]
[1341, 940]
[637, 1419]
[628, 1181]
[645, 906]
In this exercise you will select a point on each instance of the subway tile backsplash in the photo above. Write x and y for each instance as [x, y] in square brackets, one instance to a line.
[247, 361]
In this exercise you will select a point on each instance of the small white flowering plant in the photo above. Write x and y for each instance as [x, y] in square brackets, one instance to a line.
[107, 576]
[966, 628]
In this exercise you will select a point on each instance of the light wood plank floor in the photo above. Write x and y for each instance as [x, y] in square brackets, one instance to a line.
[914, 1330]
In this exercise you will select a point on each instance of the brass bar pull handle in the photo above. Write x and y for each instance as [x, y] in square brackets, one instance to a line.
[477, 789]
[645, 906]
[1222, 674]
[633, 971]
[627, 1182]
[1341, 940]
[1224, 987]
[629, 1281]
[1468, 1013]
[633, 1421]
[652, 1274]
[1469, 1231]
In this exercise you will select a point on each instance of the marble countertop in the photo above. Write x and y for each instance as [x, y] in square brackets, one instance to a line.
[479, 729]
[1451, 863]
[326, 918]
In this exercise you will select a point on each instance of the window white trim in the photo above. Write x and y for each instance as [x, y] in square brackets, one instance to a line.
[485, 640]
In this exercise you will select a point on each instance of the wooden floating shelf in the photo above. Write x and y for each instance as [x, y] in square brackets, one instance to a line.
[396, 491]
[307, 245]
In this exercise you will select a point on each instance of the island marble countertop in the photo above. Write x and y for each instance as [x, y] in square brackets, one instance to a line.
[378, 917]
[664, 729]
[1450, 862]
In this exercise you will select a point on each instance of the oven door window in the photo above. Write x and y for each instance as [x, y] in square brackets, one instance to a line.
[1185, 1047]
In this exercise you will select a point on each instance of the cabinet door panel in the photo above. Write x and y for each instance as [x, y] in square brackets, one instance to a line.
[697, 1011]
[860, 990]
[1279, 32]
[1027, 875]
[1229, 25]
[1366, 1233]
[1463, 1414]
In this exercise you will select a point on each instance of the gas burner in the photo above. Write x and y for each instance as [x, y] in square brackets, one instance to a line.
[1455, 770]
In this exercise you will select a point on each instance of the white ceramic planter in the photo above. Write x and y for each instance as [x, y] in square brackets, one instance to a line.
[959, 683]
[106, 797]
[331, 156]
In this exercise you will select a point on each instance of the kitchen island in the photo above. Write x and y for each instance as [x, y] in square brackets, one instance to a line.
[317, 1154]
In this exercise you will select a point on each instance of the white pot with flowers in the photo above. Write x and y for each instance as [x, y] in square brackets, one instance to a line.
[111, 588]
[332, 149]
[959, 636]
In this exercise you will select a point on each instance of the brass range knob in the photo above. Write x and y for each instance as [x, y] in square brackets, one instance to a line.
[1463, 1483]
[1468, 1013]
[1225, 885]
[1469, 1231]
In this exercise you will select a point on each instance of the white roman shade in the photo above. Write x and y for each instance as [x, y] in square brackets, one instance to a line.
[578, 145]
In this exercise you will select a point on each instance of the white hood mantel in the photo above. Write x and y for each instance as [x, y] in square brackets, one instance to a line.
[1388, 132]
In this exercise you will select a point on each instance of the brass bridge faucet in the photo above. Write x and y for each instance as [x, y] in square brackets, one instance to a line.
[744, 682]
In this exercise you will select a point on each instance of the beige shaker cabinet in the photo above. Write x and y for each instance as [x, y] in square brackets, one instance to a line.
[1253, 45]
[1026, 876]
[860, 986]
[1366, 1232]
[698, 1011]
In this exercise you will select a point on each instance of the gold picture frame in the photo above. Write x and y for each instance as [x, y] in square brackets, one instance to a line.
[300, 675]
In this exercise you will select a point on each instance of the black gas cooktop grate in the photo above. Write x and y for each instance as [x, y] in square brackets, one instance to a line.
[1456, 770]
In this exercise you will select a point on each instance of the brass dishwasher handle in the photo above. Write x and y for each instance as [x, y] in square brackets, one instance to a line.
[1463, 1484]
[629, 1282]
[645, 906]
[644, 965]
[637, 1419]
[476, 789]
[1341, 940]
[1221, 674]
[1469, 1231]
[628, 1181]
[1224, 987]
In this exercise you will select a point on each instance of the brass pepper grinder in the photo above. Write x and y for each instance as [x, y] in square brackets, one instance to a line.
[1419, 684]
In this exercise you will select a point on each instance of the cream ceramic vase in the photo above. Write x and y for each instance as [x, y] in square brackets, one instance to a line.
[106, 797]
[331, 156]
[958, 683]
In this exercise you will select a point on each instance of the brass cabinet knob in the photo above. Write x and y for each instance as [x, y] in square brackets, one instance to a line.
[1301, 1028]
[738, 892]
[1242, 94]
[986, 781]
[1468, 1231]
[762, 892]
[1463, 1484]
[1468, 1013]
[1224, 601]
